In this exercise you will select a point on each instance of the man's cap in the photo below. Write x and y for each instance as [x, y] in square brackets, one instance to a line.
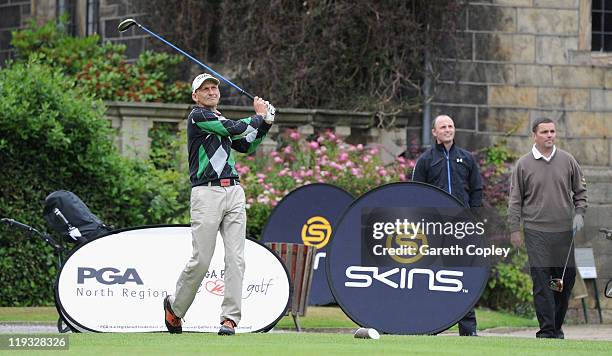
[197, 82]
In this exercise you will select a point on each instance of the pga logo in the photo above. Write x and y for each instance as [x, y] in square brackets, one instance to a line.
[108, 275]
[362, 277]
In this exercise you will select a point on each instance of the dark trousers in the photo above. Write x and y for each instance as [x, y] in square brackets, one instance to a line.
[467, 325]
[548, 252]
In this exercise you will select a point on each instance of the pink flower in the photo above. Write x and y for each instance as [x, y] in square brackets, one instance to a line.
[374, 151]
[294, 135]
[323, 149]
[343, 157]
[360, 147]
[278, 160]
[402, 177]
[331, 135]
[313, 144]
[287, 150]
[382, 172]
[335, 165]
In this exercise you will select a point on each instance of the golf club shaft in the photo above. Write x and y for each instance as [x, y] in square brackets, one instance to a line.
[568, 254]
[212, 71]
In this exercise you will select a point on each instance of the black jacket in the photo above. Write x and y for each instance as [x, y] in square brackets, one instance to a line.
[466, 183]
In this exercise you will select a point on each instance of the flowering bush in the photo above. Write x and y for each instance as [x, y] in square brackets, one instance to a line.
[303, 160]
[102, 69]
[495, 168]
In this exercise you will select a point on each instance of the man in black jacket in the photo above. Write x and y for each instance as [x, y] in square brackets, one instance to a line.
[456, 171]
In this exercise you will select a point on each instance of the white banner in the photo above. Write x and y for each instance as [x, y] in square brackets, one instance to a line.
[117, 283]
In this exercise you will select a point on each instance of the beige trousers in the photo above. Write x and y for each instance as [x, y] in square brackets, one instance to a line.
[215, 209]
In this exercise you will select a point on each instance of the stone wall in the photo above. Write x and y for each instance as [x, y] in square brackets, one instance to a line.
[112, 12]
[132, 122]
[524, 59]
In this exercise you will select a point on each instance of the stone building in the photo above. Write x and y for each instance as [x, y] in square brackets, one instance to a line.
[521, 59]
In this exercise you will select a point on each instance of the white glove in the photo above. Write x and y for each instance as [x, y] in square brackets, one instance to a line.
[578, 222]
[270, 114]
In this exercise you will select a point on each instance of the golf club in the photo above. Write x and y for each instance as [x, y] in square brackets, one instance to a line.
[556, 284]
[127, 23]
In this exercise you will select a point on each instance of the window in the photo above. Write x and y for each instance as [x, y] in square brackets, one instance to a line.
[601, 19]
[66, 7]
[93, 10]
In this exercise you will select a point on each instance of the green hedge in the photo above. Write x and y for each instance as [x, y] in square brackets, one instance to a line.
[53, 136]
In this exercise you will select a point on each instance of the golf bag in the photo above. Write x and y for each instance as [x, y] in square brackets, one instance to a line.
[68, 216]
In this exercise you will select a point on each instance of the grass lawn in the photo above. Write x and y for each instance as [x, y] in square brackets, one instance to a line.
[309, 343]
[318, 344]
[316, 317]
[333, 317]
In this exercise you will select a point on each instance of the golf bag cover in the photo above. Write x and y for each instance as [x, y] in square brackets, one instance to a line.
[68, 216]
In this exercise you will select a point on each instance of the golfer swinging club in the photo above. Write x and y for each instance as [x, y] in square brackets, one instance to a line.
[217, 199]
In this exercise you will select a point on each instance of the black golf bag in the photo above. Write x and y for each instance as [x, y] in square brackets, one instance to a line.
[68, 216]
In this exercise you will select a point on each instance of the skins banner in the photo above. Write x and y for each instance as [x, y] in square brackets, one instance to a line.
[117, 283]
[407, 258]
[306, 216]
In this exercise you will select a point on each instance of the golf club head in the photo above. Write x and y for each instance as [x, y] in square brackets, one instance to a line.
[608, 290]
[125, 24]
[556, 284]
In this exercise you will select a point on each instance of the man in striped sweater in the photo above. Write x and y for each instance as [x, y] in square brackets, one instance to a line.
[548, 195]
[217, 199]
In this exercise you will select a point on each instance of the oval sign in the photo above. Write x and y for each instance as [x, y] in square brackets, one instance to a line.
[383, 278]
[307, 216]
[117, 283]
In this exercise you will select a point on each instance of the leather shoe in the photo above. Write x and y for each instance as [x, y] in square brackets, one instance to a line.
[227, 328]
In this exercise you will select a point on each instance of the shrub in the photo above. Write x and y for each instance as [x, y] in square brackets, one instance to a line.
[510, 287]
[102, 69]
[49, 140]
[495, 167]
[304, 160]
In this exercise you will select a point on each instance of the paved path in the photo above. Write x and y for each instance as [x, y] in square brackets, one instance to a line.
[572, 332]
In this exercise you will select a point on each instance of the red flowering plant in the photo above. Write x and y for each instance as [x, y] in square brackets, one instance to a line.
[496, 167]
[300, 160]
